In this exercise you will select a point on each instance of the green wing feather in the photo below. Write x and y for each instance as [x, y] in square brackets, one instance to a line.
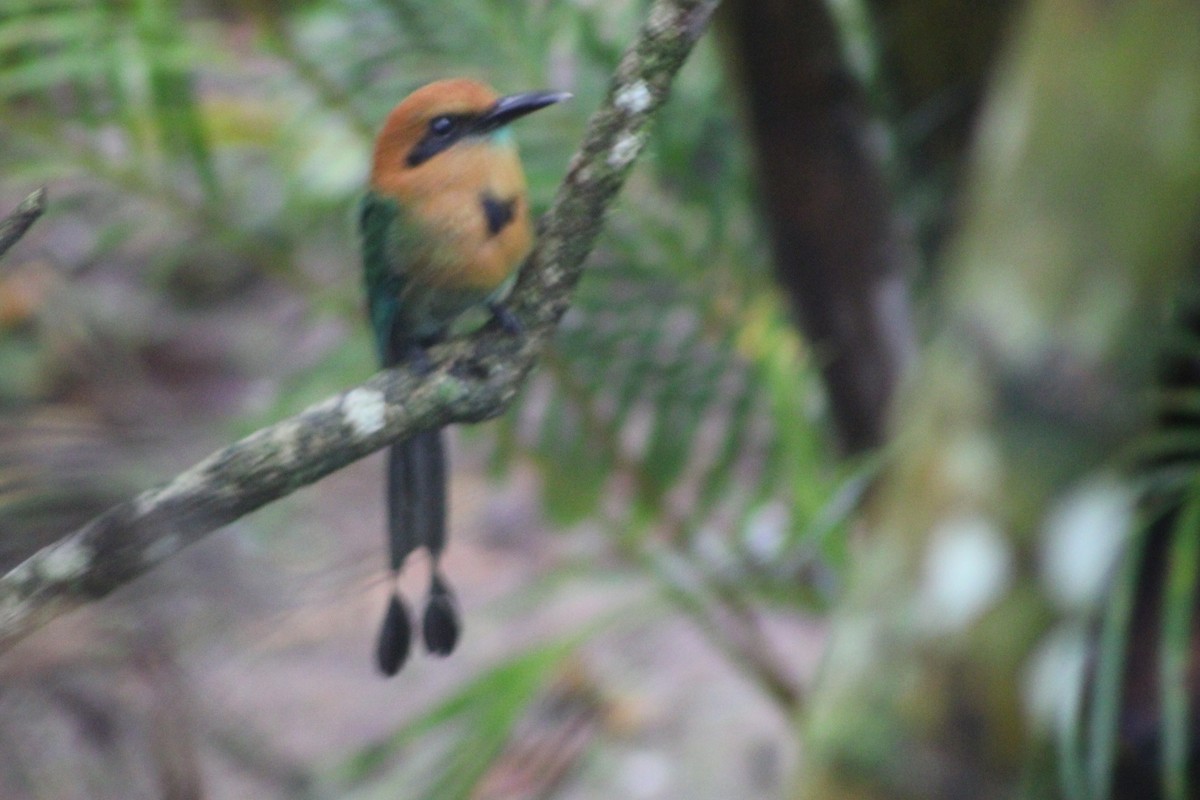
[380, 226]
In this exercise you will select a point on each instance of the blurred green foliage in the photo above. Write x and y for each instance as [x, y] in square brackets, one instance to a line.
[211, 147]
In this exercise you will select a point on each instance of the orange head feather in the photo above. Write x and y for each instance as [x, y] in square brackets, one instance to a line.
[410, 121]
[440, 120]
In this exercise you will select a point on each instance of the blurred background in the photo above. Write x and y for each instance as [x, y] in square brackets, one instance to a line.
[646, 547]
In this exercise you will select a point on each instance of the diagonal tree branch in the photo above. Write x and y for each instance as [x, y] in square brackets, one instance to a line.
[472, 379]
[14, 226]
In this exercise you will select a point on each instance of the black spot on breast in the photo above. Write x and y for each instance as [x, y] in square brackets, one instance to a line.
[498, 213]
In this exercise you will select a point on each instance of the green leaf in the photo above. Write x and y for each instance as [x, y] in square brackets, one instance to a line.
[1179, 603]
[179, 120]
[1104, 707]
[482, 714]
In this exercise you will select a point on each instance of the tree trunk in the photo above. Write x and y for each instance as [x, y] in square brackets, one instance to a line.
[959, 645]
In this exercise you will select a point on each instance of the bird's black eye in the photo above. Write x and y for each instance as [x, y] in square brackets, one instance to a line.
[442, 133]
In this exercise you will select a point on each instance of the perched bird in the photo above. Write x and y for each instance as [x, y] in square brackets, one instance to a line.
[444, 225]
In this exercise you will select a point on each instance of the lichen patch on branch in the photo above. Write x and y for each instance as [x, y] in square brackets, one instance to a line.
[634, 98]
[624, 150]
[365, 410]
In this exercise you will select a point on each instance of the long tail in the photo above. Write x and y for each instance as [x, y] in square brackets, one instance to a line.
[416, 491]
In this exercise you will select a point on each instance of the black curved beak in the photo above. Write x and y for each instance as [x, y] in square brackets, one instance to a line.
[515, 106]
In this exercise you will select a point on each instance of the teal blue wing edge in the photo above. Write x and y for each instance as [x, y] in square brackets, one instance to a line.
[378, 227]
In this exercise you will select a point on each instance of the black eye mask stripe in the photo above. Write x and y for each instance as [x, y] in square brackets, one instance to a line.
[433, 143]
[502, 112]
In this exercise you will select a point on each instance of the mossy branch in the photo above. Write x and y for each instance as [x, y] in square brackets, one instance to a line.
[472, 379]
[14, 226]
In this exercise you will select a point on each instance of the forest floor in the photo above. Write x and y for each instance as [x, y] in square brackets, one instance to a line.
[244, 666]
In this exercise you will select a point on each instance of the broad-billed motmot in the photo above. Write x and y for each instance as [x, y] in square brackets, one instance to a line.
[444, 225]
